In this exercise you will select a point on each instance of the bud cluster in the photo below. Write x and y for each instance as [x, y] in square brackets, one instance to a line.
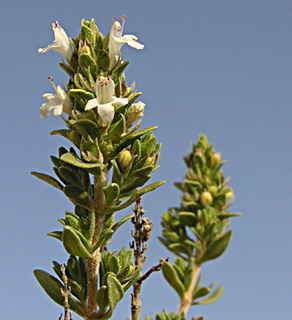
[195, 232]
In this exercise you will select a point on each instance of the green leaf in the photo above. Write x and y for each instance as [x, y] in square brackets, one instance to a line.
[226, 215]
[81, 94]
[173, 279]
[179, 272]
[72, 159]
[69, 175]
[188, 274]
[74, 245]
[200, 292]
[86, 128]
[131, 137]
[85, 61]
[78, 196]
[67, 69]
[136, 196]
[114, 265]
[103, 238]
[193, 244]
[48, 179]
[88, 225]
[121, 222]
[212, 298]
[171, 236]
[73, 221]
[87, 34]
[101, 298]
[217, 247]
[111, 192]
[120, 69]
[115, 294]
[103, 60]
[56, 234]
[52, 287]
[117, 129]
[187, 218]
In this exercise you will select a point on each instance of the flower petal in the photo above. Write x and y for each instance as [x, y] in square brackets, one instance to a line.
[119, 101]
[106, 112]
[58, 109]
[45, 110]
[131, 40]
[93, 103]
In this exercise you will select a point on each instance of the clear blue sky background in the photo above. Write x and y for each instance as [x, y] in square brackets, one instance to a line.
[217, 67]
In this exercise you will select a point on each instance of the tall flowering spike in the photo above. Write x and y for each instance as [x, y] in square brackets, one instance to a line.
[105, 99]
[117, 40]
[58, 102]
[61, 43]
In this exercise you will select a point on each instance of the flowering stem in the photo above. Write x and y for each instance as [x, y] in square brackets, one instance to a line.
[93, 266]
[187, 301]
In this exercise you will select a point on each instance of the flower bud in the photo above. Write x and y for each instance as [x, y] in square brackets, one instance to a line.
[215, 158]
[206, 199]
[149, 161]
[124, 158]
[213, 190]
[136, 112]
[229, 194]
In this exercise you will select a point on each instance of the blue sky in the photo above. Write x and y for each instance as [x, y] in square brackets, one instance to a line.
[222, 68]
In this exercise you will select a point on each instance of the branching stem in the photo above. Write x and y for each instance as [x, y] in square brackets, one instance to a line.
[187, 301]
[139, 250]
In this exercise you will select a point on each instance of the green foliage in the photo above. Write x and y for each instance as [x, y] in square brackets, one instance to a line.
[198, 226]
[52, 287]
[106, 171]
[171, 316]
[196, 231]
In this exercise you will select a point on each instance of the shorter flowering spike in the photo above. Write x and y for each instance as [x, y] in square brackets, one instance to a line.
[58, 102]
[117, 40]
[105, 90]
[61, 43]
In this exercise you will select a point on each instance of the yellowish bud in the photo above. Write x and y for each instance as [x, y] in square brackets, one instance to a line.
[206, 199]
[124, 158]
[229, 194]
[215, 158]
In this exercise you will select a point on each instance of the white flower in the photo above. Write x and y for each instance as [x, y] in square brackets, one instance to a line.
[117, 40]
[58, 102]
[61, 43]
[105, 90]
[136, 112]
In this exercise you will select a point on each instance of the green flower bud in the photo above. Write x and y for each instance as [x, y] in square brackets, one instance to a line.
[215, 158]
[213, 190]
[149, 161]
[124, 158]
[206, 199]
